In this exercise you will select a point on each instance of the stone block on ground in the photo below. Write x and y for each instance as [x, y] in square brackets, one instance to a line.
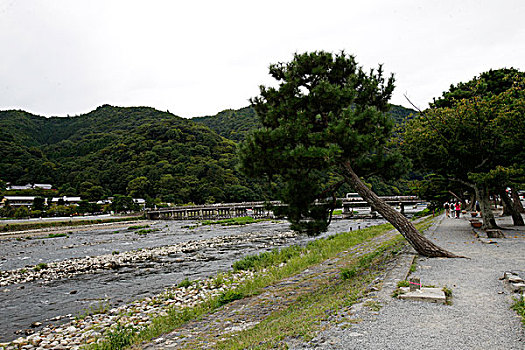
[517, 287]
[434, 295]
[515, 283]
[494, 233]
[515, 279]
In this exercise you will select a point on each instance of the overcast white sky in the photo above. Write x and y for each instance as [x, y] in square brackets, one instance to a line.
[197, 58]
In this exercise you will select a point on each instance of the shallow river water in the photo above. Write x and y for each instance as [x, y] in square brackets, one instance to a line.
[38, 301]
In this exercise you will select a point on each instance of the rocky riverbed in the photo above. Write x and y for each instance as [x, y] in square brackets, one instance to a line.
[113, 269]
[71, 267]
[90, 328]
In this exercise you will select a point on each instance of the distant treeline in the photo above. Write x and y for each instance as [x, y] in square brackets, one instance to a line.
[136, 151]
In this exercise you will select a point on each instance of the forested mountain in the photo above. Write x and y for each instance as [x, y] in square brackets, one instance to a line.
[114, 150]
[137, 150]
[235, 124]
[232, 124]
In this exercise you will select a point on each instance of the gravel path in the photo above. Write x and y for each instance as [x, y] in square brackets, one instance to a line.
[479, 317]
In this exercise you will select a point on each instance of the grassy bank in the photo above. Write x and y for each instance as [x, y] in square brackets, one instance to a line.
[10, 227]
[303, 316]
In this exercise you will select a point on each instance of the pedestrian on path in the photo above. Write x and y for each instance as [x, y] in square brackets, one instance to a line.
[458, 209]
[452, 211]
[447, 209]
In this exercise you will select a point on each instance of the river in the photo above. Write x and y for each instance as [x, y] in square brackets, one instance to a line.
[39, 301]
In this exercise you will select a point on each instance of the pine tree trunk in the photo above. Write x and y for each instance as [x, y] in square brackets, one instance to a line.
[516, 200]
[506, 208]
[420, 243]
[489, 222]
[517, 219]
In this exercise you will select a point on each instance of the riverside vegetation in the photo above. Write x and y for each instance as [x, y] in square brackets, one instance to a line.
[127, 325]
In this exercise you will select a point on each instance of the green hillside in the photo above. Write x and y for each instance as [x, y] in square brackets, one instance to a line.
[235, 124]
[114, 150]
[232, 124]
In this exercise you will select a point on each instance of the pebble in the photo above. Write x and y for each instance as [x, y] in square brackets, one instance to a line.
[139, 313]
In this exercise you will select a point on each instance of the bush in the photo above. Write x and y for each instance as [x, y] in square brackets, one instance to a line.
[184, 284]
[121, 337]
[40, 266]
[348, 273]
[403, 283]
[229, 296]
[22, 212]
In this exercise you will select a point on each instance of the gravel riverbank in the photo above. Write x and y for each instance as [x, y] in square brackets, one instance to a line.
[88, 328]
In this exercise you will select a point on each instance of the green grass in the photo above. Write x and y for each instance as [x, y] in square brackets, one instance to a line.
[403, 283]
[41, 266]
[373, 305]
[56, 235]
[100, 308]
[144, 232]
[184, 284]
[245, 220]
[413, 266]
[519, 307]
[448, 295]
[119, 337]
[304, 317]
[313, 253]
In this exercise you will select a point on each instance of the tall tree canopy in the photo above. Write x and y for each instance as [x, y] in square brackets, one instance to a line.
[478, 139]
[324, 124]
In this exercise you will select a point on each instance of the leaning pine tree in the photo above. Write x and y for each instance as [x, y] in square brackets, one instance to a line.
[325, 123]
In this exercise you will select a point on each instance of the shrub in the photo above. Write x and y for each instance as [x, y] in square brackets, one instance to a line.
[403, 283]
[40, 266]
[348, 273]
[229, 296]
[184, 284]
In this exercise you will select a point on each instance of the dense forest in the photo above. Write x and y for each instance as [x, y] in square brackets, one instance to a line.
[235, 124]
[137, 151]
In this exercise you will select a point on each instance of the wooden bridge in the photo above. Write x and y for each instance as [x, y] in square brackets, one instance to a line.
[396, 201]
[260, 209]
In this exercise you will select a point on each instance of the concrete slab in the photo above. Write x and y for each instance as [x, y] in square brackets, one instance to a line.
[517, 287]
[515, 279]
[433, 295]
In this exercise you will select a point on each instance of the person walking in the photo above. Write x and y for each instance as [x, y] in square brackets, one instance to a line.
[452, 211]
[447, 209]
[458, 209]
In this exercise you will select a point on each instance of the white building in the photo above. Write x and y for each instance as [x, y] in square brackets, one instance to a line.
[18, 201]
[140, 202]
[30, 187]
[67, 200]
